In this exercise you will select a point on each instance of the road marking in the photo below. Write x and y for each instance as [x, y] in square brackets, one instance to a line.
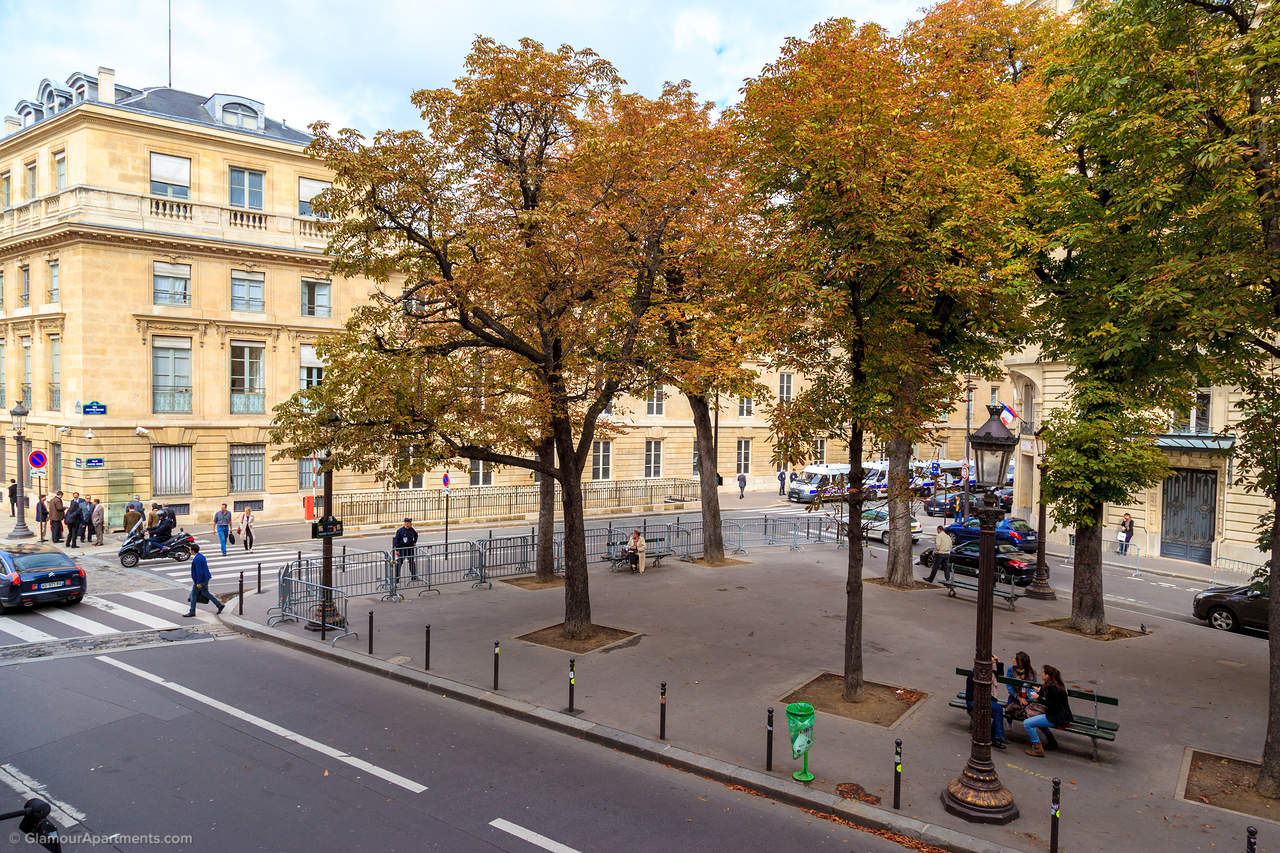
[530, 836]
[160, 601]
[26, 633]
[78, 622]
[279, 731]
[63, 814]
[128, 613]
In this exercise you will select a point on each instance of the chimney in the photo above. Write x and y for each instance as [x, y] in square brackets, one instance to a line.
[12, 124]
[106, 85]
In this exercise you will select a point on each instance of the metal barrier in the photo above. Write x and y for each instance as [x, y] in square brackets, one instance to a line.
[1234, 572]
[429, 566]
[315, 605]
[1114, 553]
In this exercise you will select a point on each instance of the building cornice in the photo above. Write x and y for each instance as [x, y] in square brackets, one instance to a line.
[226, 329]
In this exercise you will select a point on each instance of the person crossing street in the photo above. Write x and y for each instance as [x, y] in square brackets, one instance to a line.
[200, 577]
[941, 556]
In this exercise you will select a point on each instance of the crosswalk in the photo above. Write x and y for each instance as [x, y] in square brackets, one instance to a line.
[100, 616]
[226, 570]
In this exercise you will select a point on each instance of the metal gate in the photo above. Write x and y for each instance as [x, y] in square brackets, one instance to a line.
[1189, 507]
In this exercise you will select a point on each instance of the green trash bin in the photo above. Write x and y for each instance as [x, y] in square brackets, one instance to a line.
[800, 728]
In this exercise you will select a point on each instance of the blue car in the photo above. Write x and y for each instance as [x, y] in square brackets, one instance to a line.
[35, 574]
[1010, 531]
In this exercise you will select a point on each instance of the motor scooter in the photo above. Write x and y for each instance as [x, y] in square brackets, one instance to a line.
[138, 546]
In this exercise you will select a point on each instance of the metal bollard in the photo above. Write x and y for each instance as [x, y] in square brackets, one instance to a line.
[323, 622]
[1251, 843]
[768, 741]
[240, 601]
[370, 632]
[897, 773]
[572, 679]
[259, 578]
[662, 713]
[1055, 814]
[495, 664]
[426, 656]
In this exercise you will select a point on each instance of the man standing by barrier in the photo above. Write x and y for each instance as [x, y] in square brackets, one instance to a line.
[402, 546]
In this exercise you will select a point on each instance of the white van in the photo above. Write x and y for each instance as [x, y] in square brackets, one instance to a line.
[813, 479]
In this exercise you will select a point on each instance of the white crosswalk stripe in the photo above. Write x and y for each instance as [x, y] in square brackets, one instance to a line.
[98, 616]
[75, 620]
[24, 632]
[128, 613]
[166, 604]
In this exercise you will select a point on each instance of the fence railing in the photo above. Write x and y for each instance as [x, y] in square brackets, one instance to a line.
[1234, 572]
[313, 604]
[391, 506]
[1114, 553]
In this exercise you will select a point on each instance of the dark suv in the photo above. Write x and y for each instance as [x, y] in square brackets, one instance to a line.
[1230, 608]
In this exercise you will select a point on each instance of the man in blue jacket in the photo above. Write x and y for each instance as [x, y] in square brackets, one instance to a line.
[402, 547]
[200, 577]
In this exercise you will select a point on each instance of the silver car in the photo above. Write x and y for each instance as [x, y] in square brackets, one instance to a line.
[875, 525]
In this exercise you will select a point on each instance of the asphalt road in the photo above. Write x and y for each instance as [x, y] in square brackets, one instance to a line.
[239, 745]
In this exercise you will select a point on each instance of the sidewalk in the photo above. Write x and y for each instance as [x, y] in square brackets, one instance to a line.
[734, 640]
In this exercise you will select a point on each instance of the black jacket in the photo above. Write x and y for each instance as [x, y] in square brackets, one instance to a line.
[1057, 709]
[405, 538]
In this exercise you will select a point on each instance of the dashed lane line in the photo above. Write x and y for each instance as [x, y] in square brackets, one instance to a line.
[530, 836]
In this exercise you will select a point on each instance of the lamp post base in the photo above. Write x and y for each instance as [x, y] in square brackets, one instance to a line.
[20, 531]
[979, 798]
[1041, 590]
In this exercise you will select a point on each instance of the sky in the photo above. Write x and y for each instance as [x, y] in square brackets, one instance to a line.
[355, 63]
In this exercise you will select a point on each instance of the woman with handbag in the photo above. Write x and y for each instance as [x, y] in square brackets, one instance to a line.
[1016, 707]
[1056, 714]
[246, 528]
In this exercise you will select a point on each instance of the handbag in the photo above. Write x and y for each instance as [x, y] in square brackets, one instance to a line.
[1035, 709]
[231, 538]
[202, 596]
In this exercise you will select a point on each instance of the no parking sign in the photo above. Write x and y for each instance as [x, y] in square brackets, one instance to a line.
[36, 459]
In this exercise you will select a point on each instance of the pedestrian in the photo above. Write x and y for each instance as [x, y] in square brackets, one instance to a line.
[246, 528]
[742, 486]
[99, 519]
[997, 712]
[402, 545]
[794, 476]
[1126, 533]
[1016, 707]
[1052, 695]
[635, 551]
[57, 512]
[13, 497]
[42, 516]
[73, 521]
[782, 482]
[87, 530]
[222, 527]
[941, 556]
[200, 577]
[132, 519]
[136, 506]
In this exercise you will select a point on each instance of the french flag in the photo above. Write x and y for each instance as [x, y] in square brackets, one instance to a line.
[1008, 416]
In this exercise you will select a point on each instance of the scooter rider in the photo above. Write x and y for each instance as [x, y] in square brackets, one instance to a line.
[160, 526]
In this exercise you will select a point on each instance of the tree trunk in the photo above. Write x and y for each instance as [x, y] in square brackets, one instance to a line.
[1088, 614]
[708, 468]
[899, 572]
[853, 677]
[1269, 775]
[546, 553]
[577, 597]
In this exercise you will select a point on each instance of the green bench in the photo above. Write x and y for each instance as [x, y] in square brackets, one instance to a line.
[1009, 593]
[1095, 728]
[615, 553]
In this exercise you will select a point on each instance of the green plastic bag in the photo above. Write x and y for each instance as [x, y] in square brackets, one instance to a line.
[800, 727]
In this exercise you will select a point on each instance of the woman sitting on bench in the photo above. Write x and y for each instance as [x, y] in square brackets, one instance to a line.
[635, 552]
[1057, 712]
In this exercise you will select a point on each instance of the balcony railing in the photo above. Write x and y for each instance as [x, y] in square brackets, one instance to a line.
[248, 402]
[24, 298]
[26, 394]
[55, 395]
[171, 398]
[246, 219]
[248, 303]
[52, 294]
[169, 209]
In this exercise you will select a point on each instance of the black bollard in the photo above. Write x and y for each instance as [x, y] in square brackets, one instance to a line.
[259, 578]
[572, 679]
[897, 773]
[240, 603]
[495, 664]
[370, 632]
[1251, 843]
[1055, 814]
[662, 713]
[768, 741]
[426, 656]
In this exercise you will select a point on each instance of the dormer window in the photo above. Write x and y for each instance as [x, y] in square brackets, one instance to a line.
[240, 115]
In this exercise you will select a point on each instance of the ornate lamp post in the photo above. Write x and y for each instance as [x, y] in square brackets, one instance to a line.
[977, 794]
[19, 415]
[1040, 583]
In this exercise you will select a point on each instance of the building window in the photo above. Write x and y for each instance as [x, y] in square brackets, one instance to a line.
[24, 298]
[171, 374]
[601, 460]
[171, 470]
[307, 190]
[240, 506]
[481, 473]
[55, 372]
[54, 281]
[652, 458]
[312, 370]
[4, 380]
[414, 482]
[6, 190]
[656, 402]
[744, 456]
[171, 283]
[697, 460]
[1, 290]
[170, 176]
[240, 115]
[315, 298]
[1196, 419]
[26, 371]
[248, 387]
[784, 387]
[308, 473]
[60, 170]
[248, 463]
[995, 395]
[745, 407]
[820, 452]
[31, 181]
[246, 189]
[248, 291]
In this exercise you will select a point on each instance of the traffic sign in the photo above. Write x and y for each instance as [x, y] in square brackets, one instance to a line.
[36, 459]
[326, 528]
[445, 491]
[964, 472]
[934, 468]
[445, 480]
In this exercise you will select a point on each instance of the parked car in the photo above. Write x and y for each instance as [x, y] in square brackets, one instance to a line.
[1004, 499]
[875, 525]
[1230, 608]
[1011, 563]
[944, 504]
[1011, 531]
[35, 574]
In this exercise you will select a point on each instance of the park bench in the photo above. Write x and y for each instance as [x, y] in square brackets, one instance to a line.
[1008, 592]
[615, 553]
[1093, 727]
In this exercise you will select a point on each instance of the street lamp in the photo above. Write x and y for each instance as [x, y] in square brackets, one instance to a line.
[977, 794]
[19, 415]
[1040, 588]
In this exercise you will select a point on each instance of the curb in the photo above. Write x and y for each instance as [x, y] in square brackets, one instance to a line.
[780, 789]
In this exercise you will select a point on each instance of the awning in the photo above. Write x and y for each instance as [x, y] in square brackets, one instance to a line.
[1204, 442]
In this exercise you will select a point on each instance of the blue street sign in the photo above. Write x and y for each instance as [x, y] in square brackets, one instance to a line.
[934, 469]
[95, 462]
[94, 408]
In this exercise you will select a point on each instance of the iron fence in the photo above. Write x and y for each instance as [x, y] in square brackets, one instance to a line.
[313, 604]
[1234, 572]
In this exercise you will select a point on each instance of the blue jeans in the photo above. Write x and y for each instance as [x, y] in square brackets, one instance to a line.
[997, 719]
[195, 592]
[223, 530]
[1037, 722]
